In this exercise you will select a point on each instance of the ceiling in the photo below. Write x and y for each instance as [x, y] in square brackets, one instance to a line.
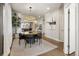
[38, 9]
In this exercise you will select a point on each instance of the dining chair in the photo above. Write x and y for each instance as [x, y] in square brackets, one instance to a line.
[36, 37]
[21, 36]
[39, 37]
[31, 40]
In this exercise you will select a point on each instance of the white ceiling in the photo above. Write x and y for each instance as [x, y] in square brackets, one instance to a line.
[38, 9]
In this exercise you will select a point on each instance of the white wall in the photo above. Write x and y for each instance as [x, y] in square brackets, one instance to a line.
[71, 29]
[61, 23]
[7, 28]
[53, 32]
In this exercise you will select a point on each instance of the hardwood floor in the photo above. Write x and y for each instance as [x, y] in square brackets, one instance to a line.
[56, 52]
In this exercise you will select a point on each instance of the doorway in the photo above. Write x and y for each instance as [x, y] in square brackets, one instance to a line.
[69, 26]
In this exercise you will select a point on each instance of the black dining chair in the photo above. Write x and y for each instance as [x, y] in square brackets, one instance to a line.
[31, 39]
[36, 37]
[39, 37]
[21, 36]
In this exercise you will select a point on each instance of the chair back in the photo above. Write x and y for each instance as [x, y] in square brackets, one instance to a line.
[21, 36]
[40, 35]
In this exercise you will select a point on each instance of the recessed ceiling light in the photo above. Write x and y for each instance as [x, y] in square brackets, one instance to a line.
[39, 16]
[48, 8]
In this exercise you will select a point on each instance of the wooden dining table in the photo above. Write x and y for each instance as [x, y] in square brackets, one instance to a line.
[30, 36]
[29, 33]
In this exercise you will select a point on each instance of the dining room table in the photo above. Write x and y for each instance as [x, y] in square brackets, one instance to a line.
[29, 33]
[30, 37]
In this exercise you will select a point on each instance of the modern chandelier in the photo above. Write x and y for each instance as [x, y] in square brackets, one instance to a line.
[30, 17]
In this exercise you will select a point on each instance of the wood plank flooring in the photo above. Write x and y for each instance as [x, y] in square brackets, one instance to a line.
[56, 52]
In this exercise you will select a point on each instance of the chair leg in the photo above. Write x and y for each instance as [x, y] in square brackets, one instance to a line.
[37, 39]
[40, 41]
[25, 43]
[30, 43]
[19, 41]
[34, 41]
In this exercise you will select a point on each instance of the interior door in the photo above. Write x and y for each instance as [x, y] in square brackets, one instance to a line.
[68, 31]
[72, 28]
[69, 26]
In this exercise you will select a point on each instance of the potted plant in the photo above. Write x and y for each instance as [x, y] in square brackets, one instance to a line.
[15, 23]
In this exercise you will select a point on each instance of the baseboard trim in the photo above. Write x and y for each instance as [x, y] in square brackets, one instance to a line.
[53, 39]
[58, 43]
[70, 54]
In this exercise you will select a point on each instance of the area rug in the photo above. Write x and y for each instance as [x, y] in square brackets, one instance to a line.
[35, 50]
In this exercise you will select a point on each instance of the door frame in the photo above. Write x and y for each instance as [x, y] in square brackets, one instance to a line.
[77, 30]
